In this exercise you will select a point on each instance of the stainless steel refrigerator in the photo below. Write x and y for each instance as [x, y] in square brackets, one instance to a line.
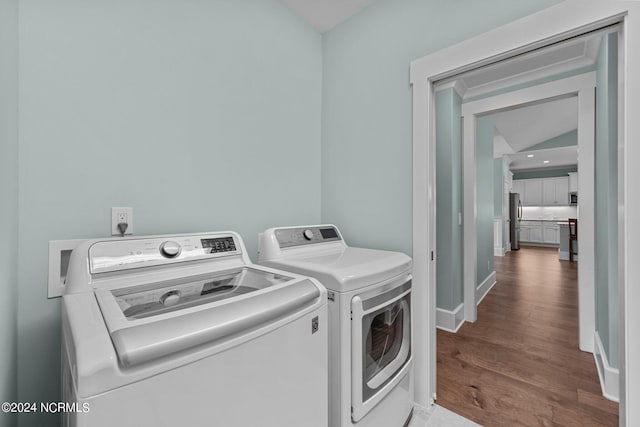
[515, 216]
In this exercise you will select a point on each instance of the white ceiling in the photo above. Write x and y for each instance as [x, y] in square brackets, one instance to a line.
[557, 157]
[527, 126]
[323, 15]
[522, 128]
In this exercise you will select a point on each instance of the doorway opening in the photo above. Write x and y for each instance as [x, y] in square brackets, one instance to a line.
[455, 61]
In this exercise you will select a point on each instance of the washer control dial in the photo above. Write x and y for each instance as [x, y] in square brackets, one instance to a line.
[308, 234]
[170, 249]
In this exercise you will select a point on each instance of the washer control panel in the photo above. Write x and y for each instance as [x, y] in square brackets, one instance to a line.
[288, 237]
[115, 255]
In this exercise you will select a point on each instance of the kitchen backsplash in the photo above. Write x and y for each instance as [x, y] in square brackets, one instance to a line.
[549, 212]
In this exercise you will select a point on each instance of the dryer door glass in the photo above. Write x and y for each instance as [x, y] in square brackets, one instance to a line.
[386, 336]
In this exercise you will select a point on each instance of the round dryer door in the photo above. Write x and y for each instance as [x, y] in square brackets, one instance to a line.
[381, 346]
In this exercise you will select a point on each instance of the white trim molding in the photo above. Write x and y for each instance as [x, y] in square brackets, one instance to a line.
[538, 74]
[609, 377]
[450, 320]
[458, 85]
[483, 288]
[498, 249]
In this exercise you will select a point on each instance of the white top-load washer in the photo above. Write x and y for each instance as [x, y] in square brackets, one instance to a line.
[369, 321]
[184, 330]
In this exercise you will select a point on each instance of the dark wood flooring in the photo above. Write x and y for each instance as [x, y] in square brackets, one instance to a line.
[519, 363]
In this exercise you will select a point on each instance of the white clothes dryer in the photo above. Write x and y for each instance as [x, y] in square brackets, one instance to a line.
[184, 330]
[369, 295]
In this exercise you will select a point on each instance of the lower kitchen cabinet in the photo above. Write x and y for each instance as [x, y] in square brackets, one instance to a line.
[536, 234]
[551, 234]
[540, 232]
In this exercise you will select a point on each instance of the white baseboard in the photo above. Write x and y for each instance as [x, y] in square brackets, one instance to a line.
[609, 377]
[499, 251]
[540, 244]
[448, 320]
[483, 288]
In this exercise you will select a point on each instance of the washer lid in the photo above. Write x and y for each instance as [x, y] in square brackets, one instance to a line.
[346, 269]
[155, 320]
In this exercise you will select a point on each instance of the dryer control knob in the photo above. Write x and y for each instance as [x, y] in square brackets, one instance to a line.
[170, 249]
[308, 234]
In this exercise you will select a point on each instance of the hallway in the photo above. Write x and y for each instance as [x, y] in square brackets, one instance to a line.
[519, 364]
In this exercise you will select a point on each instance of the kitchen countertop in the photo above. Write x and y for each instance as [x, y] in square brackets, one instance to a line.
[558, 220]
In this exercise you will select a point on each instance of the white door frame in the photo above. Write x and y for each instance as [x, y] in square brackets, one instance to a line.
[583, 86]
[506, 225]
[560, 22]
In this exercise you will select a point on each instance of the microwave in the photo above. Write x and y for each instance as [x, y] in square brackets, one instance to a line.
[573, 199]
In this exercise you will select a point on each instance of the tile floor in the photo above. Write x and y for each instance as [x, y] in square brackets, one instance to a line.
[437, 416]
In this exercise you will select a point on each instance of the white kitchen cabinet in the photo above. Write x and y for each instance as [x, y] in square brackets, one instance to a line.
[573, 182]
[555, 191]
[540, 232]
[531, 231]
[551, 233]
[535, 235]
[548, 192]
[562, 191]
[532, 192]
[543, 191]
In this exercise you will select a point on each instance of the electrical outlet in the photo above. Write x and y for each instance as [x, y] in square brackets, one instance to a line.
[121, 215]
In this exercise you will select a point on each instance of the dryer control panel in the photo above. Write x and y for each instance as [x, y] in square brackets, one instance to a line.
[115, 255]
[298, 236]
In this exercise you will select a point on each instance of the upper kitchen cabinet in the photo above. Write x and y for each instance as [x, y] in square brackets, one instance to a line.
[543, 191]
[555, 191]
[532, 192]
[573, 182]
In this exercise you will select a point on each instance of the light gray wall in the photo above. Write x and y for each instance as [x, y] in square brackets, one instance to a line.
[484, 197]
[449, 292]
[366, 109]
[544, 173]
[199, 115]
[606, 201]
[9, 197]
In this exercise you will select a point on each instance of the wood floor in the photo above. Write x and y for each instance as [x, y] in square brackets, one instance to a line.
[519, 363]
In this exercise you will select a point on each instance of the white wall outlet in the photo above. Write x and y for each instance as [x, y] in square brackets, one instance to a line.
[121, 216]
